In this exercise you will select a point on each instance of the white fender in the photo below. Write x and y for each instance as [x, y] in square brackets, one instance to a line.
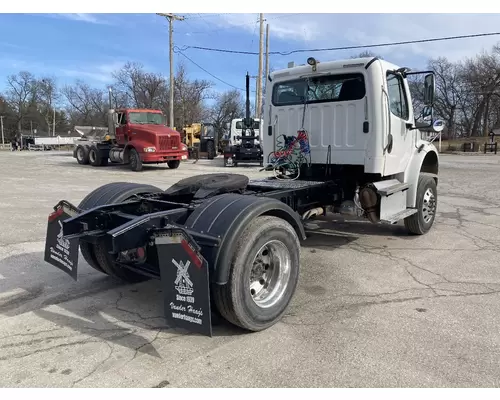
[426, 160]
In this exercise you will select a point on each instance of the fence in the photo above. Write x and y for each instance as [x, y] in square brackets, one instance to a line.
[492, 147]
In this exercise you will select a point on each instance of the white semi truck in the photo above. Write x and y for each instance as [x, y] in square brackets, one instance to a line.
[339, 136]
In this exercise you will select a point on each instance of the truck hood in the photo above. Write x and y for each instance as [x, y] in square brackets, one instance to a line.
[155, 129]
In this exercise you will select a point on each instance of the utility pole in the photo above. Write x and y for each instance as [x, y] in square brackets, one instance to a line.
[256, 95]
[1, 123]
[54, 123]
[259, 80]
[267, 58]
[171, 17]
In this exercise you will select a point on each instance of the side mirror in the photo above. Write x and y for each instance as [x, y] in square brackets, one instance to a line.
[438, 125]
[429, 88]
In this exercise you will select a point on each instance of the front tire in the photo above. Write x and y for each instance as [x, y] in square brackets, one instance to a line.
[421, 222]
[263, 277]
[135, 160]
[174, 164]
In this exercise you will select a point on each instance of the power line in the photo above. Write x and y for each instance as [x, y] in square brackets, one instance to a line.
[178, 51]
[287, 53]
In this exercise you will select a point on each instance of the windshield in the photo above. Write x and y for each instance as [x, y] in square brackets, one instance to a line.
[345, 87]
[256, 125]
[146, 118]
[208, 130]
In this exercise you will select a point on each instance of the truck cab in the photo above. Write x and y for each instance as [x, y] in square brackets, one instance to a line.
[361, 129]
[236, 131]
[147, 131]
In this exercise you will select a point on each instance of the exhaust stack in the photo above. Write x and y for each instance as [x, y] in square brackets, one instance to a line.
[248, 122]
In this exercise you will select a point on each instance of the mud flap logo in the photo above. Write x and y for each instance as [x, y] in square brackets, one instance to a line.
[61, 241]
[59, 251]
[183, 284]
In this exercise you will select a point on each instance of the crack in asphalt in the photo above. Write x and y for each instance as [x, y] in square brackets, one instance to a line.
[354, 306]
[94, 370]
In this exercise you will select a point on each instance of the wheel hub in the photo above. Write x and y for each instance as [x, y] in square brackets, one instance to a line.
[270, 274]
[429, 205]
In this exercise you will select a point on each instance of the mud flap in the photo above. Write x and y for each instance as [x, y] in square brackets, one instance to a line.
[185, 282]
[60, 252]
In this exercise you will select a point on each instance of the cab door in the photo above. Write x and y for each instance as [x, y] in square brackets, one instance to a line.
[399, 137]
[121, 129]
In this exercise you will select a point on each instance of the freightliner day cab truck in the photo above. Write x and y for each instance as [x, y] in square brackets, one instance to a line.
[339, 136]
[133, 137]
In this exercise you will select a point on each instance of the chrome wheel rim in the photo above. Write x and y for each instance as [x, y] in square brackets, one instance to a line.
[428, 205]
[270, 274]
[79, 153]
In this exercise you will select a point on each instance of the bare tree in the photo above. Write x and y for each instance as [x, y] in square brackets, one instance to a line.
[142, 89]
[482, 78]
[189, 97]
[366, 53]
[228, 106]
[86, 105]
[47, 98]
[21, 96]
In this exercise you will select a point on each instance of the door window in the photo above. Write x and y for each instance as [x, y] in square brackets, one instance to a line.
[397, 96]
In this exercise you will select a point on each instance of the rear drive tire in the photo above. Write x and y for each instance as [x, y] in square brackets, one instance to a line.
[107, 194]
[426, 203]
[95, 158]
[263, 277]
[210, 150]
[135, 160]
[174, 164]
[82, 155]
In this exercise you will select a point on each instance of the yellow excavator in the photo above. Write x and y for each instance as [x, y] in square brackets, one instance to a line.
[201, 139]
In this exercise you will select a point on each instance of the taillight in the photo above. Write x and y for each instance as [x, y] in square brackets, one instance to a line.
[56, 214]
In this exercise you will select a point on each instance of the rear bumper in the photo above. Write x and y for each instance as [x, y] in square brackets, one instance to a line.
[243, 154]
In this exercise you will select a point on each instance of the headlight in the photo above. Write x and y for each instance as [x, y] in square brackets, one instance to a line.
[184, 147]
[149, 149]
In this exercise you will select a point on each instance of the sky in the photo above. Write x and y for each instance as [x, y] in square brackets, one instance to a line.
[91, 46]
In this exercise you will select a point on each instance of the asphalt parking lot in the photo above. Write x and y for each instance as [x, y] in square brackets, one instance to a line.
[374, 307]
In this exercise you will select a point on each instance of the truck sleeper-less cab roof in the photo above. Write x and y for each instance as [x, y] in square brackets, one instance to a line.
[351, 106]
[138, 110]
